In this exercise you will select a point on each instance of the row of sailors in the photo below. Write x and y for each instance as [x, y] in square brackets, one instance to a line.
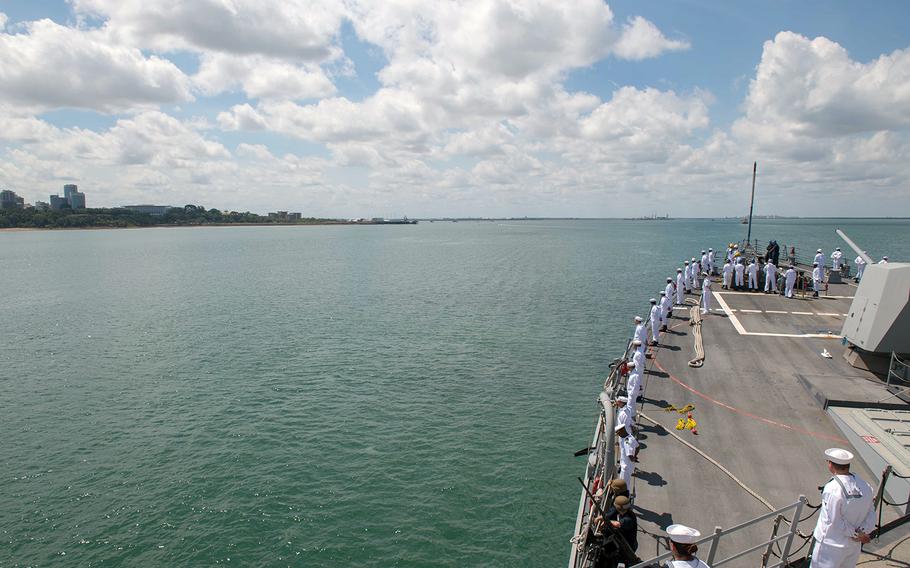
[846, 517]
[837, 261]
[734, 277]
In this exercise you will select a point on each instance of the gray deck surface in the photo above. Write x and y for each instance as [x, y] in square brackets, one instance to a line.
[755, 417]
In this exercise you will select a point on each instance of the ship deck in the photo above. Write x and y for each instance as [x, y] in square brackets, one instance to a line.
[760, 408]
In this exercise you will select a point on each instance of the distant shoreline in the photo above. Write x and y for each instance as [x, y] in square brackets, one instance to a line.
[103, 228]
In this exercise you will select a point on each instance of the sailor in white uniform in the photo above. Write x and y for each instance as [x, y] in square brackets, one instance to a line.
[627, 444]
[670, 291]
[688, 277]
[818, 276]
[696, 272]
[728, 275]
[706, 295]
[837, 259]
[638, 353]
[884, 260]
[623, 414]
[655, 321]
[770, 277]
[640, 333]
[704, 261]
[682, 545]
[790, 280]
[680, 287]
[752, 270]
[860, 268]
[738, 270]
[633, 385]
[710, 261]
[665, 305]
[820, 258]
[846, 516]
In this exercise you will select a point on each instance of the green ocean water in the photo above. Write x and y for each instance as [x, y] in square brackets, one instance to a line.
[323, 396]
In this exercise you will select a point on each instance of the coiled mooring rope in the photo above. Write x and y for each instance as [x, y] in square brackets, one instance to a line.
[695, 322]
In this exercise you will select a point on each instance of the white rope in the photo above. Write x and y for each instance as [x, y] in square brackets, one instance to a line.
[695, 322]
[748, 489]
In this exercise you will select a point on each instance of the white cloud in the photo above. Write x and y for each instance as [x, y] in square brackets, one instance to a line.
[3, 19]
[261, 77]
[54, 66]
[299, 30]
[812, 89]
[641, 39]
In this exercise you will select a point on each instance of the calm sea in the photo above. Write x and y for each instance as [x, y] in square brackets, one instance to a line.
[322, 396]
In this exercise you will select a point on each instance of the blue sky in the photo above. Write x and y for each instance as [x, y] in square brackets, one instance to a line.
[609, 122]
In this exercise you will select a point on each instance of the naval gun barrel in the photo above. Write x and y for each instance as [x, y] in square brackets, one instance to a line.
[862, 254]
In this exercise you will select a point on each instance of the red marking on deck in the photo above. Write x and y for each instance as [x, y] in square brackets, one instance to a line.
[768, 421]
[871, 440]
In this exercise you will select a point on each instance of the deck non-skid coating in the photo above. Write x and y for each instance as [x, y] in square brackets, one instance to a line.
[775, 315]
[753, 415]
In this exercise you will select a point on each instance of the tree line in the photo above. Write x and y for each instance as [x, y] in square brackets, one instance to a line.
[122, 218]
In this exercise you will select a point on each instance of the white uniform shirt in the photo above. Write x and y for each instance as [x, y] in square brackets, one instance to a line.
[687, 271]
[883, 261]
[711, 257]
[791, 277]
[640, 333]
[728, 269]
[655, 313]
[836, 257]
[680, 281]
[820, 258]
[753, 269]
[638, 358]
[670, 290]
[771, 270]
[859, 262]
[706, 287]
[841, 514]
[627, 445]
[633, 381]
[624, 416]
[694, 563]
[739, 270]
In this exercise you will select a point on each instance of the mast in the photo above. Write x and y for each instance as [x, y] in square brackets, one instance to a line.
[751, 202]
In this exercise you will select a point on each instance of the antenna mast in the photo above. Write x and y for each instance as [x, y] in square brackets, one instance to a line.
[751, 203]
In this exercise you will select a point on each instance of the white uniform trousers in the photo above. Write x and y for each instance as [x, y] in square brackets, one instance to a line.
[753, 281]
[835, 556]
[739, 278]
[706, 300]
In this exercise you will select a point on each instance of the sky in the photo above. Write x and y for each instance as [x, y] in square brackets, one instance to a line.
[486, 108]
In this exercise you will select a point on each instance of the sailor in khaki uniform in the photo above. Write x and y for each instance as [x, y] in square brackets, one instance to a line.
[846, 516]
[682, 545]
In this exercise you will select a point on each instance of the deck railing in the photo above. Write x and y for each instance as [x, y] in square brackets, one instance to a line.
[715, 539]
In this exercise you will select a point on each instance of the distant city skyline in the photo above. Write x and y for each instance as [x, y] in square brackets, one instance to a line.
[440, 109]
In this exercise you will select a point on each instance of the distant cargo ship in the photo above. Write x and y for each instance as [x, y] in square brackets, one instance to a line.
[402, 221]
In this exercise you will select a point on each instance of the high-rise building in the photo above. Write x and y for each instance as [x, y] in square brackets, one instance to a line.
[42, 205]
[68, 191]
[58, 202]
[77, 200]
[9, 200]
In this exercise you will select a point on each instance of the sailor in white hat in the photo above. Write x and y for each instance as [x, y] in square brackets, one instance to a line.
[770, 277]
[837, 258]
[738, 271]
[752, 271]
[706, 295]
[655, 321]
[846, 516]
[682, 545]
[670, 290]
[789, 281]
[666, 306]
[696, 272]
[633, 385]
[627, 444]
[704, 260]
[884, 260]
[710, 261]
[860, 263]
[640, 333]
[727, 271]
[680, 287]
[623, 412]
[688, 277]
[638, 353]
[820, 258]
[818, 276]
